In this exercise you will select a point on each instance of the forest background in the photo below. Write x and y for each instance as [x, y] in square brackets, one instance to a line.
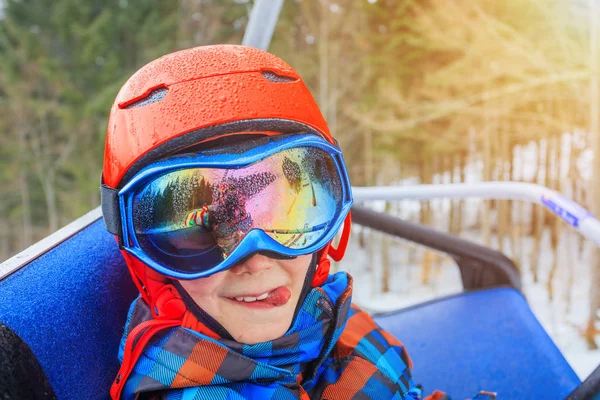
[416, 91]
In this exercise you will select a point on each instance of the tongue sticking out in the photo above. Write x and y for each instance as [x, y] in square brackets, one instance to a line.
[278, 297]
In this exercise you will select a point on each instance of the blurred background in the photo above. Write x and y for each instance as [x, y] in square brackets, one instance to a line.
[416, 91]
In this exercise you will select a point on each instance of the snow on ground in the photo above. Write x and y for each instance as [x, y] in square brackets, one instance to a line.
[562, 321]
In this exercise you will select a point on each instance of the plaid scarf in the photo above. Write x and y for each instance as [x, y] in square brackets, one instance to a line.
[333, 350]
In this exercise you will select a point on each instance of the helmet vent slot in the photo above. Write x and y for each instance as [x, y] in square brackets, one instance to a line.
[154, 96]
[273, 77]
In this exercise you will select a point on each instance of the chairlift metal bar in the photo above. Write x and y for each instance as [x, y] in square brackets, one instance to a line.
[36, 250]
[480, 267]
[572, 213]
[261, 25]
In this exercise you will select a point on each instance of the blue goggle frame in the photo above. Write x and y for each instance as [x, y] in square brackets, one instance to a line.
[256, 240]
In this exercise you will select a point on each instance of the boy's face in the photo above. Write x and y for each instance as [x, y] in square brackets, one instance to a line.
[227, 296]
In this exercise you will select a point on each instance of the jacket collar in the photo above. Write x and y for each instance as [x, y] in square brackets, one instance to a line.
[177, 358]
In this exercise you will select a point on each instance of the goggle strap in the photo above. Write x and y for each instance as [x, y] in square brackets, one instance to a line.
[338, 254]
[167, 304]
[109, 198]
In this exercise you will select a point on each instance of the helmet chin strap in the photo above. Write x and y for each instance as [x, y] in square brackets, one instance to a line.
[167, 309]
[156, 290]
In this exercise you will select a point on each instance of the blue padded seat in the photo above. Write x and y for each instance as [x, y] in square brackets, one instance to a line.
[484, 340]
[70, 304]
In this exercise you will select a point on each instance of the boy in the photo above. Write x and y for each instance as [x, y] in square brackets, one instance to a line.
[225, 189]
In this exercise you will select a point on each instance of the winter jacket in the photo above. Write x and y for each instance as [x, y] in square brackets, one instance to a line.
[333, 350]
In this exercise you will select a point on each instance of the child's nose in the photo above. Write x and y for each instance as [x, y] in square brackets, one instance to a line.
[253, 265]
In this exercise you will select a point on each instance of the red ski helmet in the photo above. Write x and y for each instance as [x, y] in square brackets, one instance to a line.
[196, 95]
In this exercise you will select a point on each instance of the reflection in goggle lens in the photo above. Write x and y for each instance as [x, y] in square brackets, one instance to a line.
[192, 219]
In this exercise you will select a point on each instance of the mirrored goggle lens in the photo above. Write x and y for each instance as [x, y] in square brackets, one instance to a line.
[190, 220]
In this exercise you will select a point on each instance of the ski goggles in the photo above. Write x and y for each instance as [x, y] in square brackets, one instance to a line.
[193, 215]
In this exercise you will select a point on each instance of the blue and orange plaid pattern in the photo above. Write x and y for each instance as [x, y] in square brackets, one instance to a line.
[332, 351]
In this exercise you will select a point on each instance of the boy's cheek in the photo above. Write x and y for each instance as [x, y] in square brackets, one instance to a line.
[297, 268]
[203, 287]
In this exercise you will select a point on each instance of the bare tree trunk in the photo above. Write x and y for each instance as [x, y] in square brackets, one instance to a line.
[555, 223]
[453, 217]
[369, 174]
[412, 257]
[519, 223]
[487, 173]
[369, 235]
[538, 221]
[503, 210]
[577, 184]
[27, 234]
[554, 242]
[387, 175]
[514, 221]
[580, 239]
[595, 189]
[48, 188]
[520, 214]
[461, 203]
[426, 220]
[548, 174]
[45, 167]
[440, 167]
[536, 176]
[571, 258]
[385, 257]
[4, 236]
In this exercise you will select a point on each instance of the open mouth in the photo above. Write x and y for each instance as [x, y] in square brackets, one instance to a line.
[274, 298]
[249, 299]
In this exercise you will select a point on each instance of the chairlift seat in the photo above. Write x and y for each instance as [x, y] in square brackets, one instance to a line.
[69, 305]
[483, 340]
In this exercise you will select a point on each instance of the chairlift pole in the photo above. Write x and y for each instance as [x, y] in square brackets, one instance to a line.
[572, 213]
[261, 25]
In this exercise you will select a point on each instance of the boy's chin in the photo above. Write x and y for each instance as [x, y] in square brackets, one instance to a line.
[258, 334]
[259, 326]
